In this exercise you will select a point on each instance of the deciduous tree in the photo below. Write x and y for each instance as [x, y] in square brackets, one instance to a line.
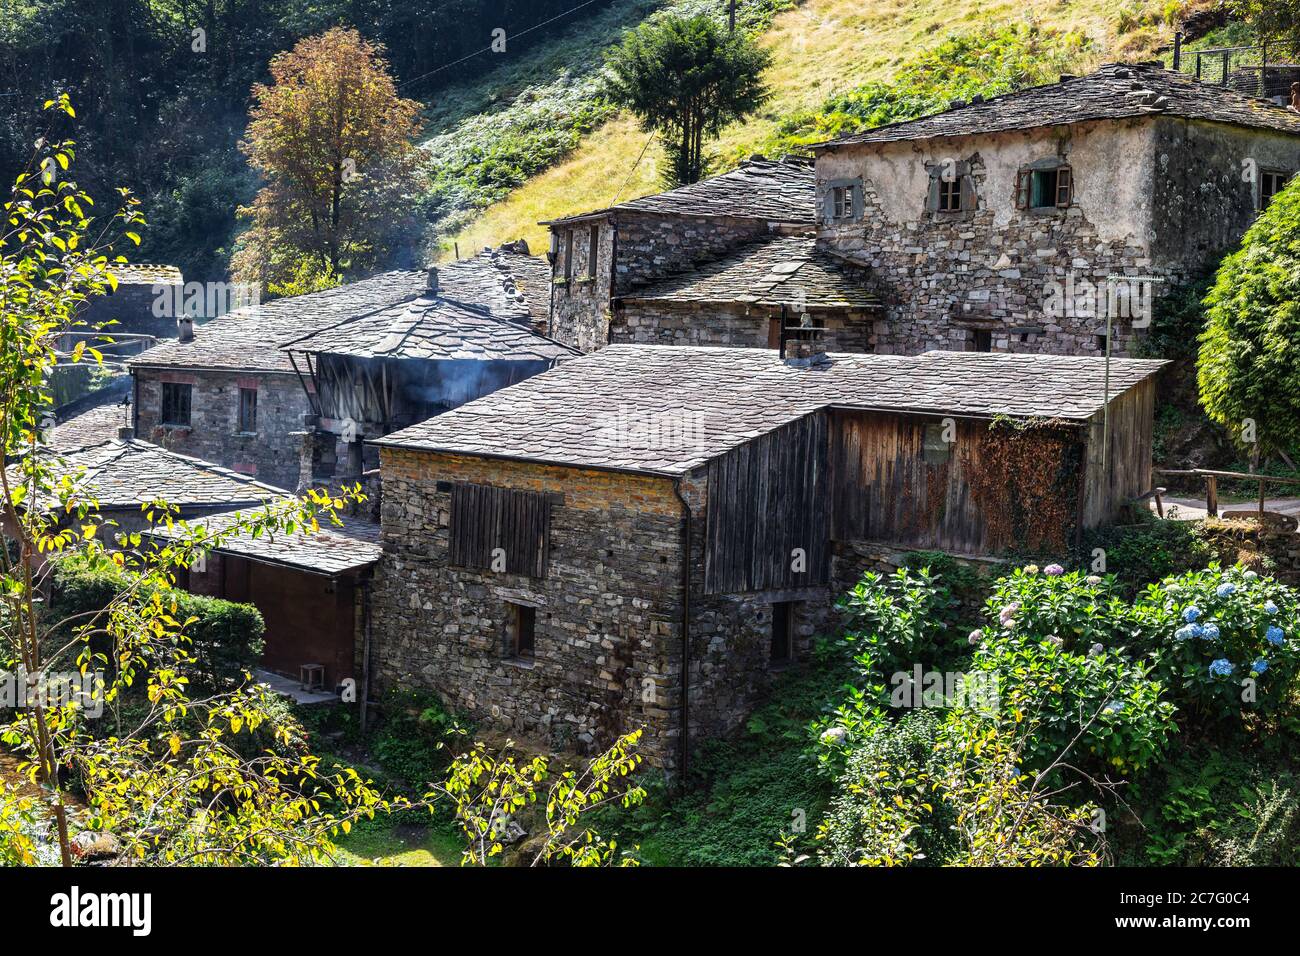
[334, 141]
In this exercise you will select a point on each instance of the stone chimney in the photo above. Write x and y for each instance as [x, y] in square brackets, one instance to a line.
[125, 432]
[805, 345]
[431, 280]
[185, 328]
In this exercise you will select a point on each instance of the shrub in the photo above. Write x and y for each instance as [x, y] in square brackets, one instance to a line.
[1226, 640]
[906, 618]
[226, 638]
[409, 742]
[1152, 549]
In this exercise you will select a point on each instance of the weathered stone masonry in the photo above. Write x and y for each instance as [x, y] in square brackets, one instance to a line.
[270, 453]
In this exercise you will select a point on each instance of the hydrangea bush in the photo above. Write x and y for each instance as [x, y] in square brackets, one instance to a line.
[1225, 640]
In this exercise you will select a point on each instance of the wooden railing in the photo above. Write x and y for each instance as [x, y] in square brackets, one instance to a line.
[1212, 477]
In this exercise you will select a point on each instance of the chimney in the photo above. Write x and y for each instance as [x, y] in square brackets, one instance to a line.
[185, 328]
[431, 280]
[804, 345]
[125, 433]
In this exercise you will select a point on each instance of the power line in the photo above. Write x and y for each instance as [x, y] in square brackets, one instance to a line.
[632, 170]
[488, 49]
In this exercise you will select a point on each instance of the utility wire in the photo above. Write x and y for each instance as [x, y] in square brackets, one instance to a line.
[614, 201]
[488, 49]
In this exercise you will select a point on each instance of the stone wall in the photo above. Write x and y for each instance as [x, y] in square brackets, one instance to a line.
[131, 308]
[607, 656]
[664, 323]
[1245, 542]
[271, 454]
[632, 249]
[943, 276]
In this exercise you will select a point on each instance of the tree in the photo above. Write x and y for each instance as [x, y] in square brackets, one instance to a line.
[1270, 18]
[490, 791]
[686, 78]
[1248, 370]
[334, 141]
[108, 706]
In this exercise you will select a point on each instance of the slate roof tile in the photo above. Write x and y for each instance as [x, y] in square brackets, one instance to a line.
[248, 339]
[775, 271]
[777, 191]
[668, 409]
[1115, 91]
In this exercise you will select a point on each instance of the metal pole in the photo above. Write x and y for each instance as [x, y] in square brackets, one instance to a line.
[1178, 49]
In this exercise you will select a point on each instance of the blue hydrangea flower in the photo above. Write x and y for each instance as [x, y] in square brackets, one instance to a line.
[1221, 668]
[1226, 590]
[1275, 635]
[1191, 614]
[1260, 665]
[1209, 632]
[1250, 575]
[1270, 607]
[1115, 706]
[1186, 632]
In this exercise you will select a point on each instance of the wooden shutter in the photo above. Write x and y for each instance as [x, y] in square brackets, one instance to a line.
[1023, 180]
[967, 187]
[1064, 186]
[485, 518]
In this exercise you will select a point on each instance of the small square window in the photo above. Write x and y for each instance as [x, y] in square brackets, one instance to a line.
[176, 403]
[248, 409]
[981, 340]
[521, 625]
[1271, 182]
[935, 448]
[782, 649]
[1103, 343]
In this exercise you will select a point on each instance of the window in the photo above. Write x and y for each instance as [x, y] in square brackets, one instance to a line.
[844, 200]
[1045, 187]
[568, 255]
[248, 409]
[935, 447]
[176, 403]
[782, 650]
[1103, 343]
[981, 340]
[593, 250]
[952, 190]
[950, 195]
[521, 624]
[1271, 182]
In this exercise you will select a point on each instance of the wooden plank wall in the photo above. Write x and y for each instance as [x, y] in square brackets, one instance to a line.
[885, 490]
[767, 498]
[1132, 419]
[484, 518]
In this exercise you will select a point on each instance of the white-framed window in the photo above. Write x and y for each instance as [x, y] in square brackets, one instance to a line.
[1271, 182]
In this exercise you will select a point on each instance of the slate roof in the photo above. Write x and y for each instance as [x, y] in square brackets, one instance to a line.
[778, 191]
[249, 339]
[144, 273]
[334, 549]
[92, 427]
[1115, 91]
[128, 474]
[668, 409]
[776, 271]
[433, 328]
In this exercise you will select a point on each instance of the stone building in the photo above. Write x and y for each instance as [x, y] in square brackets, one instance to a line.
[1019, 222]
[311, 588]
[132, 306]
[599, 257]
[758, 295]
[394, 366]
[643, 535]
[227, 393]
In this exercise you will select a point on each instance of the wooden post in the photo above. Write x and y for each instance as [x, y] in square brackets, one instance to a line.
[1261, 501]
[1211, 496]
[1227, 65]
[1178, 49]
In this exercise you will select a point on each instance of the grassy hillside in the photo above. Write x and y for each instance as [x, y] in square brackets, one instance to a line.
[821, 48]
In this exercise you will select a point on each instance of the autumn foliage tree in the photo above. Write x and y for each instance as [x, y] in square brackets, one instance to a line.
[333, 140]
